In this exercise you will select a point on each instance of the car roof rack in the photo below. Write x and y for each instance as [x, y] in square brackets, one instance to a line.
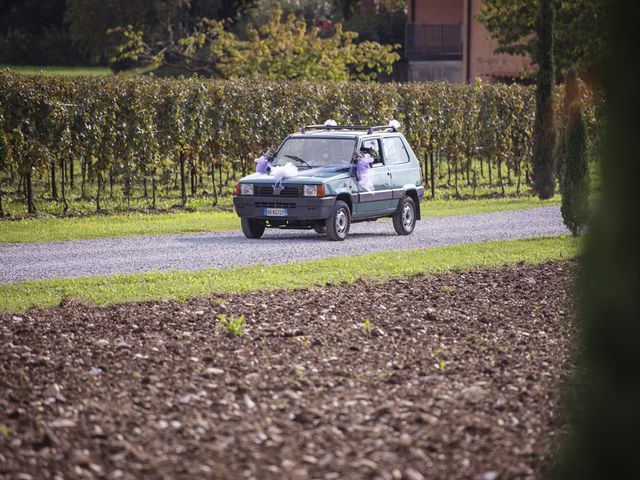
[366, 128]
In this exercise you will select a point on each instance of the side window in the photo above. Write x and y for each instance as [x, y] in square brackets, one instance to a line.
[394, 151]
[372, 147]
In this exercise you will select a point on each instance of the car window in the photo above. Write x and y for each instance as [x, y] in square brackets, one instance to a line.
[316, 152]
[372, 147]
[394, 151]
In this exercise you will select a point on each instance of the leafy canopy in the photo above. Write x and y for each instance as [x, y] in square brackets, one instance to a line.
[283, 48]
[580, 29]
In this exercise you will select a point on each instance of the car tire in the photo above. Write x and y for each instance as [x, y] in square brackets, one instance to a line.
[404, 220]
[339, 222]
[320, 229]
[252, 228]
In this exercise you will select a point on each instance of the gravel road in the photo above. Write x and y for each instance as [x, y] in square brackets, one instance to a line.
[228, 249]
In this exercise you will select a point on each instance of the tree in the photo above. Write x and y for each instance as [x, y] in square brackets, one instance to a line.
[89, 21]
[32, 32]
[544, 136]
[575, 177]
[284, 48]
[580, 32]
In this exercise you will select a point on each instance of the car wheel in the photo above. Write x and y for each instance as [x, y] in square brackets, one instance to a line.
[320, 229]
[339, 222]
[404, 220]
[252, 228]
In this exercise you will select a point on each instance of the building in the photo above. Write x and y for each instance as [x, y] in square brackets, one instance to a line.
[445, 41]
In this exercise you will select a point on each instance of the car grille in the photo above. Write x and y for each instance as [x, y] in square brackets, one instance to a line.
[275, 205]
[287, 191]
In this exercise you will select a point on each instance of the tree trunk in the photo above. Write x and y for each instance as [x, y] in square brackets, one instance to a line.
[433, 175]
[1, 209]
[193, 178]
[448, 171]
[31, 207]
[54, 186]
[213, 182]
[425, 169]
[62, 186]
[127, 188]
[482, 168]
[145, 194]
[490, 168]
[183, 180]
[475, 182]
[71, 172]
[500, 182]
[90, 173]
[98, 192]
[153, 191]
[519, 176]
[455, 169]
[544, 134]
[111, 182]
[83, 168]
[220, 177]
[127, 185]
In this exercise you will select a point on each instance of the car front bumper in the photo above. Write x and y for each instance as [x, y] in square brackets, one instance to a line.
[298, 208]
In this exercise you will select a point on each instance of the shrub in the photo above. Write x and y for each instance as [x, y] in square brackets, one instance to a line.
[575, 172]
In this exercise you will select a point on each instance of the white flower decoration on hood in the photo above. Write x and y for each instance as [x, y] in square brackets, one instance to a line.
[280, 172]
[330, 123]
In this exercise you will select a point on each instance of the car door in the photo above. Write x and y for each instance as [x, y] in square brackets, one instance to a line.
[378, 200]
[401, 170]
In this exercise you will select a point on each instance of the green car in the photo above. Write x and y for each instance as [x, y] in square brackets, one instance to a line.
[329, 176]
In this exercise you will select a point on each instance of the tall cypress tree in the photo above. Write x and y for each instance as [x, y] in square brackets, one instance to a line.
[544, 134]
[575, 169]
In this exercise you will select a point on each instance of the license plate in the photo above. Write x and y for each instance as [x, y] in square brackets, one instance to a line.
[276, 212]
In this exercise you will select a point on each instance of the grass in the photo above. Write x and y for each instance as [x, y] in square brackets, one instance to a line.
[83, 228]
[52, 71]
[449, 208]
[138, 224]
[20, 297]
[234, 326]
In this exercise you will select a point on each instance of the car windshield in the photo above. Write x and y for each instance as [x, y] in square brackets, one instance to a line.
[309, 152]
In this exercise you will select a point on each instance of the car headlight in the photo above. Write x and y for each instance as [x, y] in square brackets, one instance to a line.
[246, 189]
[313, 191]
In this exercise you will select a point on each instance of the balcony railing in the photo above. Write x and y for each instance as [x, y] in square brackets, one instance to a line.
[434, 41]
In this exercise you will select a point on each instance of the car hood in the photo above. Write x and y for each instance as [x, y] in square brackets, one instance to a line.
[313, 175]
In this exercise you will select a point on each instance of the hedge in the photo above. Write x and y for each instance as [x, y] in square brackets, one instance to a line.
[148, 129]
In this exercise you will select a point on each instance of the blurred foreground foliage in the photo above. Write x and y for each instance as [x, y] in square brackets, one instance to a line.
[605, 398]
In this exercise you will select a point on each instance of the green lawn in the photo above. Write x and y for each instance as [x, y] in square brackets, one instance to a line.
[128, 225]
[20, 297]
[449, 208]
[58, 71]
